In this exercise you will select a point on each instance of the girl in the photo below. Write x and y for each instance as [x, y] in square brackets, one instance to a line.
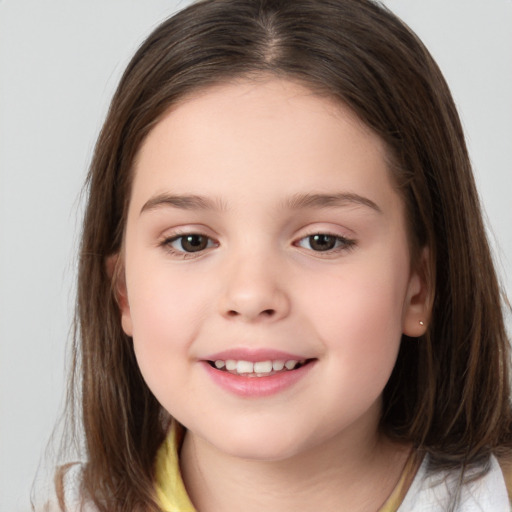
[286, 298]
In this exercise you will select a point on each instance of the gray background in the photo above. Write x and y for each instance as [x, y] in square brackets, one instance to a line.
[59, 63]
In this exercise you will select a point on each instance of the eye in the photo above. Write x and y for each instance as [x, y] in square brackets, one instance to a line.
[189, 243]
[323, 242]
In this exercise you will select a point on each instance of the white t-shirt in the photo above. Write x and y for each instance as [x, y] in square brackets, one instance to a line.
[429, 492]
[432, 492]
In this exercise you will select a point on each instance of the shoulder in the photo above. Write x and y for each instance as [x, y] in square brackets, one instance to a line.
[432, 491]
[506, 468]
[66, 495]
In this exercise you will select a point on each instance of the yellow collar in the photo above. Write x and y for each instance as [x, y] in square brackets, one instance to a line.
[170, 489]
[173, 497]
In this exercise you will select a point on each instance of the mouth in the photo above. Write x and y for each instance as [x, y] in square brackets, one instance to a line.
[257, 369]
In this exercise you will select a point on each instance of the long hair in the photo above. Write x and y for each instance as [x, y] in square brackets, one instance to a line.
[449, 391]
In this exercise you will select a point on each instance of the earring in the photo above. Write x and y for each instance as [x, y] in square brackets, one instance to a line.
[422, 323]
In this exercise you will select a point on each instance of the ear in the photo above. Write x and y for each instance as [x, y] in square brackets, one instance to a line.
[116, 273]
[419, 298]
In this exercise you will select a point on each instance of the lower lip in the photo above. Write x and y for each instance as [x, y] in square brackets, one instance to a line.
[255, 387]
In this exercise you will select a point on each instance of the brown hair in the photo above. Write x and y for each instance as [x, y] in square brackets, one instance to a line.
[449, 391]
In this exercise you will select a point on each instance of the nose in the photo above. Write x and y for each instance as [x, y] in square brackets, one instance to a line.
[253, 291]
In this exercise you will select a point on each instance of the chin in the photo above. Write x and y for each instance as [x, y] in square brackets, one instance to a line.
[261, 446]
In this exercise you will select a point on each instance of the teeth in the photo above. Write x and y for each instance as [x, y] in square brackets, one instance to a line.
[259, 368]
[244, 367]
[263, 367]
[230, 365]
[277, 365]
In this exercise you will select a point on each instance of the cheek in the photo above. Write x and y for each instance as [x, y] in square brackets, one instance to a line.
[162, 296]
[166, 309]
[358, 314]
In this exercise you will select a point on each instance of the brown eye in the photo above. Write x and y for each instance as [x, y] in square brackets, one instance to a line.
[323, 242]
[190, 243]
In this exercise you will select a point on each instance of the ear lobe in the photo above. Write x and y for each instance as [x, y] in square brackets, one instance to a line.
[116, 273]
[418, 302]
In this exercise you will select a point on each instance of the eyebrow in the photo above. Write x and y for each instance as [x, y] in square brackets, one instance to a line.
[299, 201]
[182, 202]
[295, 202]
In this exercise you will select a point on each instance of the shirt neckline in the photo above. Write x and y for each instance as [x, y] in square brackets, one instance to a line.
[173, 497]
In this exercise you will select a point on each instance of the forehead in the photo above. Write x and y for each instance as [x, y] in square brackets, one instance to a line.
[261, 136]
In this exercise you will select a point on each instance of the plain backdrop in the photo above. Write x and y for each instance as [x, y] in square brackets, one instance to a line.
[59, 63]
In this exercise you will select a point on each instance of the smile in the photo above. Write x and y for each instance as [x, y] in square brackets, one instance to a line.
[256, 368]
[257, 378]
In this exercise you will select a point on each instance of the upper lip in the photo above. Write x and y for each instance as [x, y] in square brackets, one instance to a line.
[254, 355]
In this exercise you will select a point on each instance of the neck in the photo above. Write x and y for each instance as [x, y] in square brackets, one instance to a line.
[355, 472]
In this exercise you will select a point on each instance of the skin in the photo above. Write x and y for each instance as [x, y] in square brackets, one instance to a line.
[250, 150]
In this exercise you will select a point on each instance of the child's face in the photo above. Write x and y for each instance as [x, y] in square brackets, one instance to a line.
[264, 226]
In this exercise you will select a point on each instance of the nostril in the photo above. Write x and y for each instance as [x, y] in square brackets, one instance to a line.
[265, 313]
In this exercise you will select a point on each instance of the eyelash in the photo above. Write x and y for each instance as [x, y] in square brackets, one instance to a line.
[167, 244]
[342, 244]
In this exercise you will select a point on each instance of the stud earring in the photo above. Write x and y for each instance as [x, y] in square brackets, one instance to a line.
[422, 323]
